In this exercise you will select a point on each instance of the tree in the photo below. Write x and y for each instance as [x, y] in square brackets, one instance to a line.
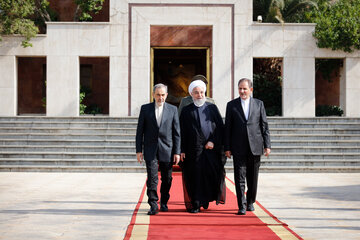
[337, 25]
[282, 10]
[267, 83]
[24, 17]
[15, 19]
[85, 7]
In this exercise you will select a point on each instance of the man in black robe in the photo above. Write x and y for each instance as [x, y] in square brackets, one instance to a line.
[201, 151]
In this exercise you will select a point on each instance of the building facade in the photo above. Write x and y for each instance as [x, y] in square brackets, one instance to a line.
[220, 34]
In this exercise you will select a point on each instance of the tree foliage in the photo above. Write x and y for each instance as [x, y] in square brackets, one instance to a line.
[337, 25]
[15, 19]
[267, 84]
[85, 8]
[282, 10]
[25, 17]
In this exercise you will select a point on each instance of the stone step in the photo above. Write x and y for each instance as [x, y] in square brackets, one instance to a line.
[45, 168]
[105, 119]
[131, 143]
[315, 149]
[314, 131]
[75, 149]
[132, 155]
[311, 156]
[319, 143]
[97, 118]
[69, 155]
[111, 136]
[56, 142]
[313, 119]
[71, 162]
[133, 124]
[102, 148]
[323, 169]
[133, 162]
[49, 130]
[90, 131]
[51, 125]
[305, 137]
[68, 136]
[352, 125]
[305, 162]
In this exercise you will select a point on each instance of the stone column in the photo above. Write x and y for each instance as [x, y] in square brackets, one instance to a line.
[118, 92]
[63, 86]
[352, 66]
[299, 87]
[119, 45]
[8, 86]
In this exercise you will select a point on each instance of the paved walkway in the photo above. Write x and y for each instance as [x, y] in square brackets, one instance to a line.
[100, 205]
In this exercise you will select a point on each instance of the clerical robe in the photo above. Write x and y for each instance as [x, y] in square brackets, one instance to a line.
[202, 169]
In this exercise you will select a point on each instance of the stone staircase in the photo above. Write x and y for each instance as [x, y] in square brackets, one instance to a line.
[82, 144]
[105, 144]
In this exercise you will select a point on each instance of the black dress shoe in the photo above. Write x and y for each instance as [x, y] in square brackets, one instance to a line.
[153, 211]
[250, 207]
[206, 206]
[195, 210]
[241, 212]
[164, 208]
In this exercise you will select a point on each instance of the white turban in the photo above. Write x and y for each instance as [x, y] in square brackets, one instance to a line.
[196, 83]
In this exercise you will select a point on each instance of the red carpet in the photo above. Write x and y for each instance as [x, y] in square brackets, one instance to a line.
[217, 222]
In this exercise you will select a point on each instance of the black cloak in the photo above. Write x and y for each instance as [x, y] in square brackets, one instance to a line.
[203, 169]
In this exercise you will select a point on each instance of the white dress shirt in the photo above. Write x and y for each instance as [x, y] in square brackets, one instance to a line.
[245, 105]
[158, 113]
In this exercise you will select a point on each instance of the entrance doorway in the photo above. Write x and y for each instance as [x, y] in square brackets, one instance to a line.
[94, 85]
[175, 68]
[31, 72]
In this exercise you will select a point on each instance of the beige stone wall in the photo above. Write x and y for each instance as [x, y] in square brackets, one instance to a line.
[64, 43]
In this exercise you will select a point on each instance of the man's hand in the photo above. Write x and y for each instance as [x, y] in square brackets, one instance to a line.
[139, 157]
[176, 159]
[228, 154]
[267, 152]
[182, 156]
[209, 145]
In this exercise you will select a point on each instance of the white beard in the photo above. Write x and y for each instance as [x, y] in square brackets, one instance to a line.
[199, 102]
[159, 104]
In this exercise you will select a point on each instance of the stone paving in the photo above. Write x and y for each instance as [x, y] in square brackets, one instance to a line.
[315, 205]
[100, 205]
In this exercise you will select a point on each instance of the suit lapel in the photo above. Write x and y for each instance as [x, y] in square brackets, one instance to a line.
[251, 107]
[164, 114]
[152, 116]
[240, 109]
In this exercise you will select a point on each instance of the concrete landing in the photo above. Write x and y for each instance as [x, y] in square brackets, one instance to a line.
[100, 205]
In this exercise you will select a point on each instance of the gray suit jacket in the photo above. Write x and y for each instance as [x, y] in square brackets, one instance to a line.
[163, 141]
[239, 131]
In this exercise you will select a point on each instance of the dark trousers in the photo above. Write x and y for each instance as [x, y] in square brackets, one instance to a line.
[246, 169]
[152, 181]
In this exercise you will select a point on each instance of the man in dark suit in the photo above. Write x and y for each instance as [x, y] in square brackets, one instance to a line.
[247, 137]
[158, 130]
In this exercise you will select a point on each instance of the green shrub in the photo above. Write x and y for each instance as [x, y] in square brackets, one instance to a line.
[327, 110]
[269, 92]
[93, 109]
[268, 84]
[337, 25]
[82, 106]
